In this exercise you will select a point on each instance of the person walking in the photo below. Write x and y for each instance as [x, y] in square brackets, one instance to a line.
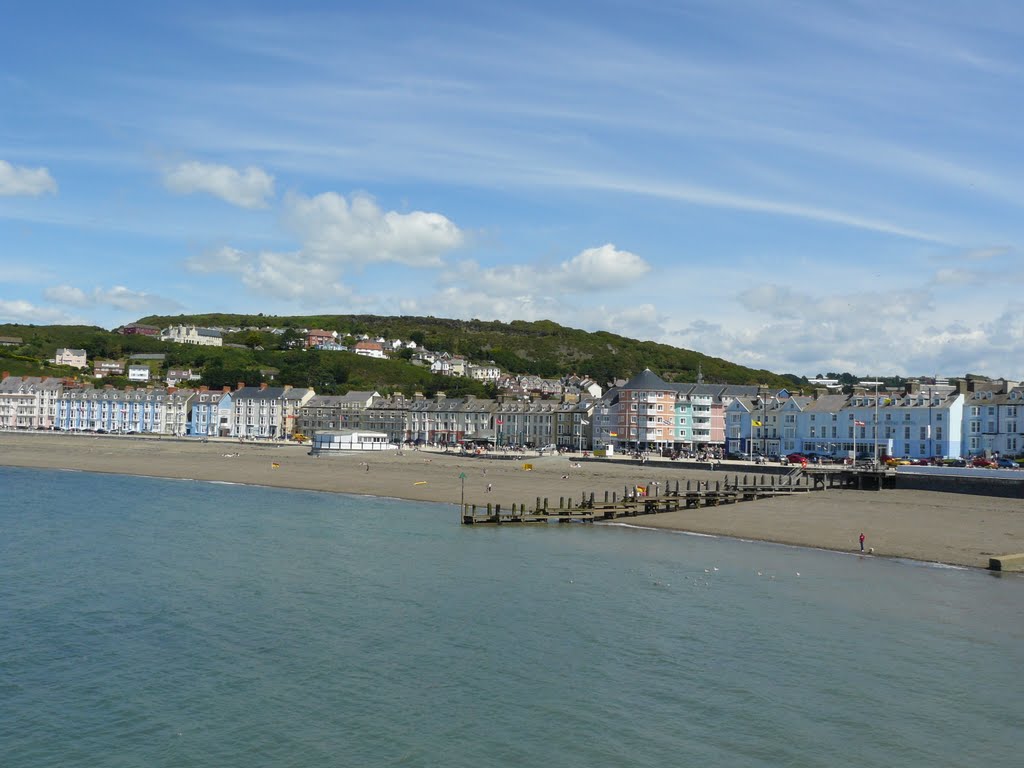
[862, 542]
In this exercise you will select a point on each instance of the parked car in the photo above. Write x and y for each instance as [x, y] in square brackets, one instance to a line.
[981, 461]
[796, 458]
[1007, 464]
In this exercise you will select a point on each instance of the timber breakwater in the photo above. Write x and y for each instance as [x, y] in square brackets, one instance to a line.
[654, 498]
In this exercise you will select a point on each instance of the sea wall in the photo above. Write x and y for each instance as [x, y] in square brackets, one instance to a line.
[1008, 488]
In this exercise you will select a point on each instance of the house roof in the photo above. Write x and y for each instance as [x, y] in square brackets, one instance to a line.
[647, 380]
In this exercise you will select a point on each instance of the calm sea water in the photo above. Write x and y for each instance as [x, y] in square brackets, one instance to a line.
[168, 623]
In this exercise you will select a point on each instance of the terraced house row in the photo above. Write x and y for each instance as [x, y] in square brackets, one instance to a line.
[644, 413]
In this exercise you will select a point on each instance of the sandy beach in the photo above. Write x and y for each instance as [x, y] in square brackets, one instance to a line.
[921, 525]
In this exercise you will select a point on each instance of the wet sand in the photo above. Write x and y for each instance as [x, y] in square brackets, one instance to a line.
[921, 525]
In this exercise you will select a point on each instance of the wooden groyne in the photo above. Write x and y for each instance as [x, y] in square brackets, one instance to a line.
[650, 499]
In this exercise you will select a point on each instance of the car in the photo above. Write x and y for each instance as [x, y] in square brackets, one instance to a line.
[1007, 464]
[796, 458]
[981, 461]
[893, 461]
[549, 448]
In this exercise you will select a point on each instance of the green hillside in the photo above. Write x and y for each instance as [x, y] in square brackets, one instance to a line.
[543, 348]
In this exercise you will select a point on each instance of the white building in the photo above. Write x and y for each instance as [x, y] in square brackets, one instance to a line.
[28, 402]
[138, 373]
[73, 357]
[191, 334]
[334, 442]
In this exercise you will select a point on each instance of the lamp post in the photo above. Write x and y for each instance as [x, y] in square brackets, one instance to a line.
[931, 440]
[875, 383]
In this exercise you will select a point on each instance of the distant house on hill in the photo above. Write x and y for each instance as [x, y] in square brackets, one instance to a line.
[138, 373]
[176, 376]
[76, 358]
[317, 336]
[369, 349]
[10, 341]
[101, 368]
[138, 329]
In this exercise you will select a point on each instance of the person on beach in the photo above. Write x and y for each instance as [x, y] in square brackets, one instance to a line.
[488, 487]
[862, 542]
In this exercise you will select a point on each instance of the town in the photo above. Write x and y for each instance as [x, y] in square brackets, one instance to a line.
[924, 420]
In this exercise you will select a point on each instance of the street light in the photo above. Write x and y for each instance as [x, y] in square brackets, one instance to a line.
[867, 384]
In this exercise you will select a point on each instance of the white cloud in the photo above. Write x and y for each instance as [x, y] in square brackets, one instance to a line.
[31, 182]
[358, 231]
[118, 297]
[248, 189]
[336, 234]
[592, 270]
[67, 294]
[21, 311]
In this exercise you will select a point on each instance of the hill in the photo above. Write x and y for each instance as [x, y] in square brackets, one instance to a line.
[542, 348]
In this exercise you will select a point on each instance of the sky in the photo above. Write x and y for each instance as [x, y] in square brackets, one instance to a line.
[798, 186]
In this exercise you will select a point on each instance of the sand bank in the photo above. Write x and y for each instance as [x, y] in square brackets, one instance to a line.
[921, 525]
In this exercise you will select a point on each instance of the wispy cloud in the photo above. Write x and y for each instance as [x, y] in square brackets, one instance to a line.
[116, 297]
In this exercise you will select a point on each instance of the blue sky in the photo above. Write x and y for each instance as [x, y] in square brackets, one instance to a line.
[800, 186]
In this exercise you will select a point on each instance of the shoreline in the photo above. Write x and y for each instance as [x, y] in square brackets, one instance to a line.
[924, 526]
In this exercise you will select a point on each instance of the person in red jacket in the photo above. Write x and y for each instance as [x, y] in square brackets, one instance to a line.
[862, 542]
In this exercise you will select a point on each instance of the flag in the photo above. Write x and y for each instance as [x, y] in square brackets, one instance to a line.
[858, 424]
[584, 422]
[274, 465]
[613, 434]
[756, 424]
[499, 421]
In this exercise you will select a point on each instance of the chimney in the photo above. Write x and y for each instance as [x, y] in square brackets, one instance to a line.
[5, 375]
[203, 388]
[226, 389]
[240, 385]
[263, 385]
[287, 387]
[171, 390]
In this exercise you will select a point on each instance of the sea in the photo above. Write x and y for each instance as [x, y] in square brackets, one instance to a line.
[153, 622]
